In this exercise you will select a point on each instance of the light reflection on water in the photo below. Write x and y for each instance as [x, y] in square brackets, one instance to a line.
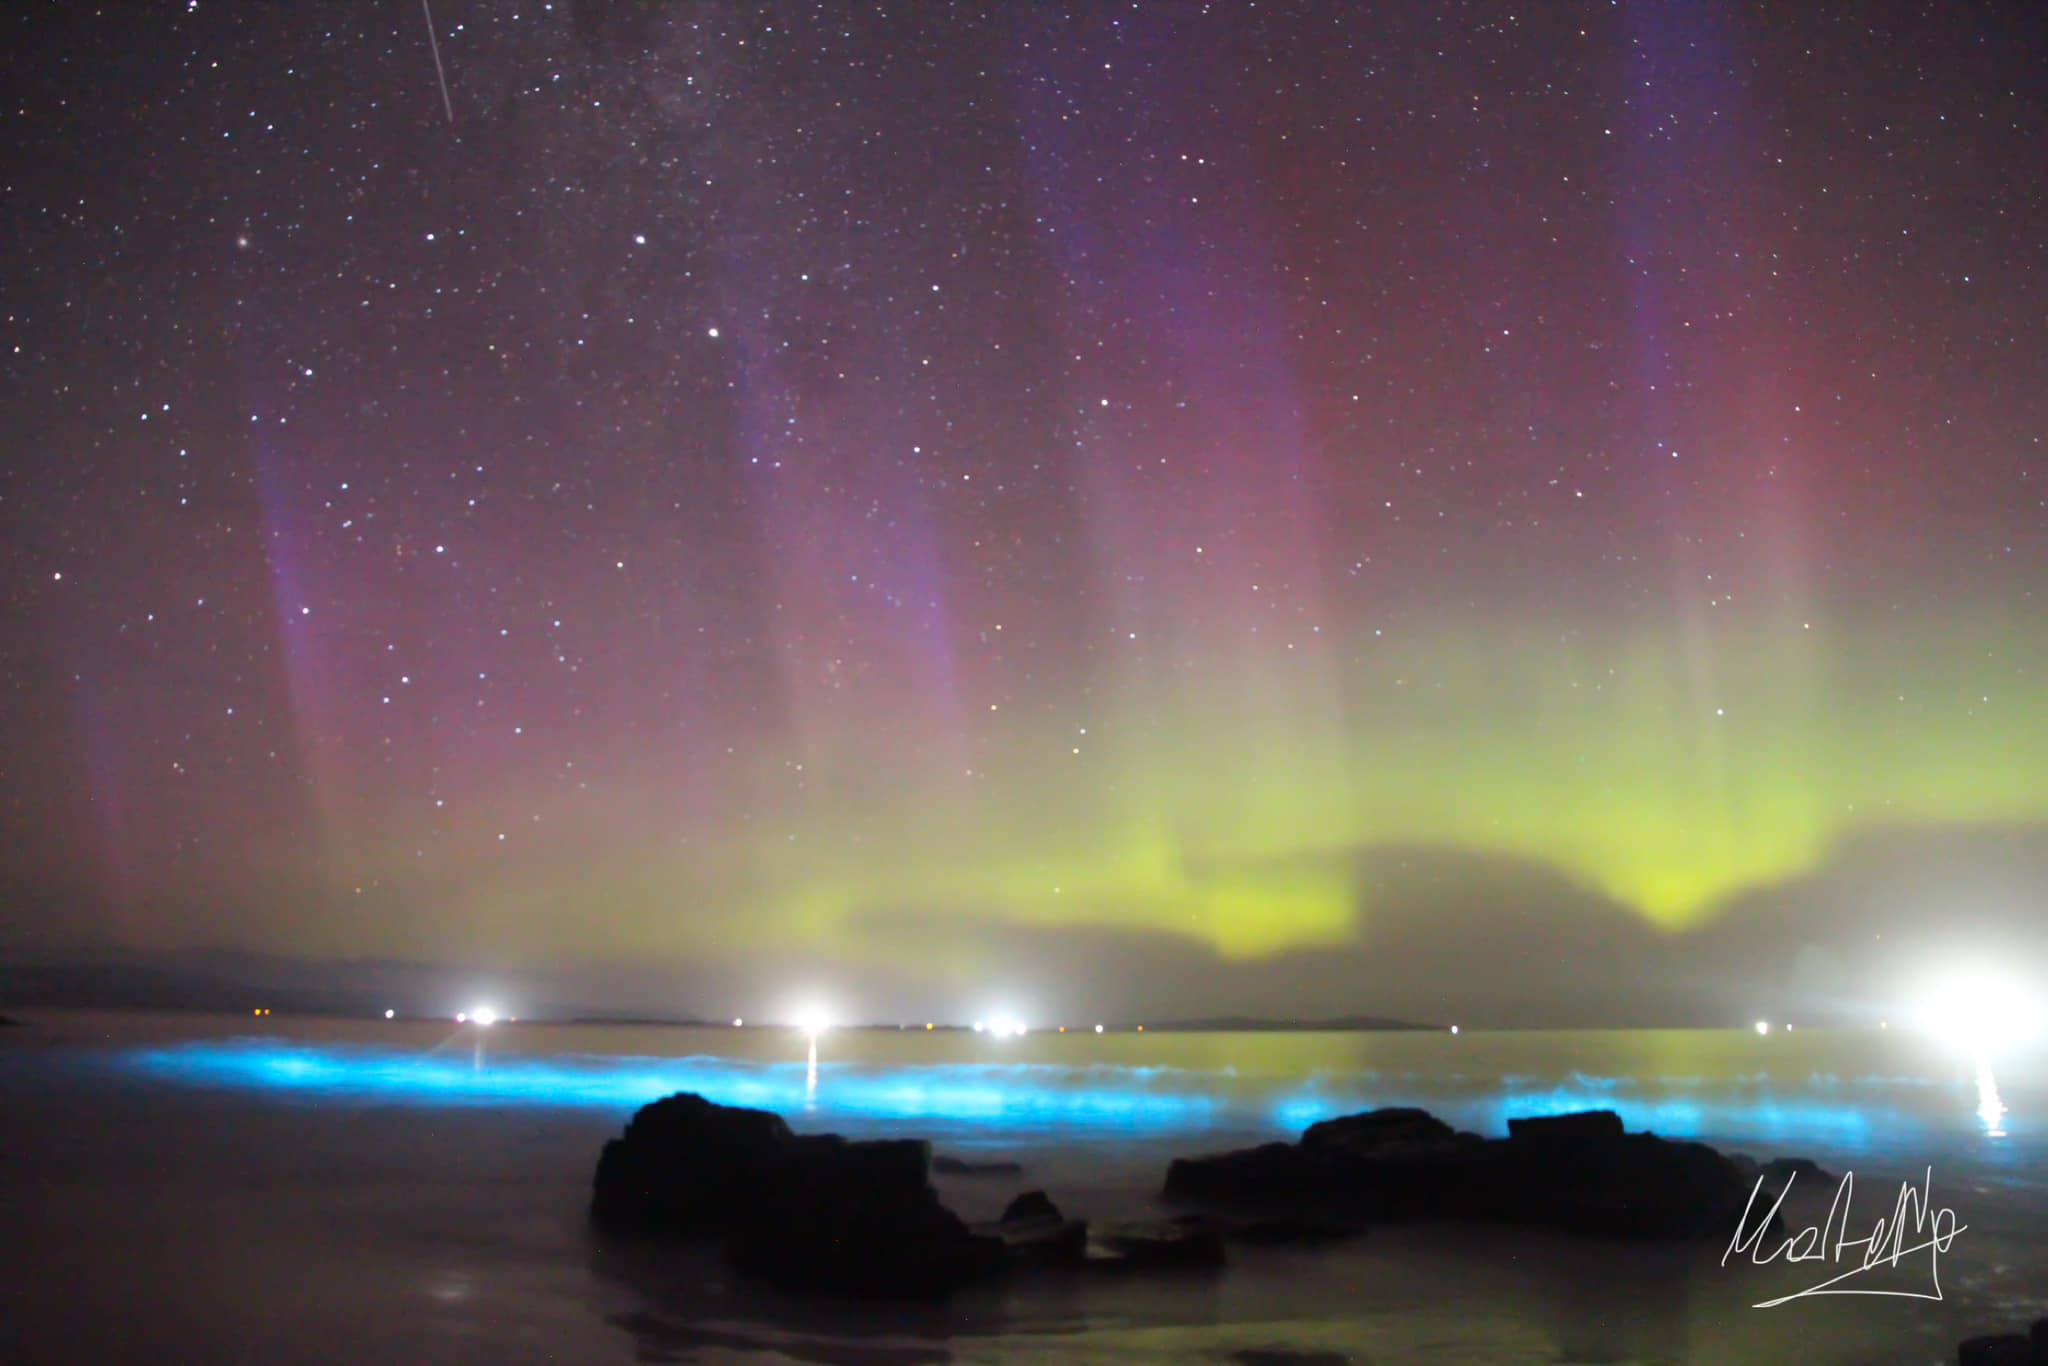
[1990, 1108]
[1078, 1101]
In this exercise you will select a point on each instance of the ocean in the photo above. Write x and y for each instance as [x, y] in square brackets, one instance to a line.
[212, 1189]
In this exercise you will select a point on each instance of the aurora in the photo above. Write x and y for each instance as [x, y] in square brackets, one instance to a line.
[1229, 502]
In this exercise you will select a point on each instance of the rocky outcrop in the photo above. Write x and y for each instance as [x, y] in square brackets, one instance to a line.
[1029, 1206]
[1579, 1172]
[816, 1213]
[821, 1214]
[1583, 1126]
[1035, 1235]
[686, 1166]
[830, 1237]
[1382, 1131]
[1997, 1349]
[2006, 1349]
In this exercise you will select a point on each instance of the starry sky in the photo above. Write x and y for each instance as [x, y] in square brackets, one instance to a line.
[863, 490]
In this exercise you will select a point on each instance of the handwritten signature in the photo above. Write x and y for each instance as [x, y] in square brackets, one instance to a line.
[1913, 1216]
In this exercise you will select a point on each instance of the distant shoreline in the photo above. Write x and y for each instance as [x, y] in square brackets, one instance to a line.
[1227, 1025]
[276, 1009]
[1359, 1024]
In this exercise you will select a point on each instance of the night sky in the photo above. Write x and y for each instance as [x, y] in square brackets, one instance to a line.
[874, 495]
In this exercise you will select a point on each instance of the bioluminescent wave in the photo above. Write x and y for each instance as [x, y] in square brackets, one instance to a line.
[1020, 1096]
[1083, 1103]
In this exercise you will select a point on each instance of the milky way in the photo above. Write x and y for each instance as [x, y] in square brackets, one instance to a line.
[759, 480]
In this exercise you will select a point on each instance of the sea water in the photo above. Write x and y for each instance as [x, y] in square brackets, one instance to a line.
[275, 1190]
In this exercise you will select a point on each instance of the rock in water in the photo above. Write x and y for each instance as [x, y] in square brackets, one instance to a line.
[815, 1212]
[1577, 1172]
[1378, 1131]
[2002, 1349]
[1270, 1176]
[835, 1239]
[897, 1167]
[1034, 1233]
[686, 1165]
[1030, 1205]
[1579, 1127]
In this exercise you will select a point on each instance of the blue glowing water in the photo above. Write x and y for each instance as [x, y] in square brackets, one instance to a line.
[1289, 1084]
[1012, 1096]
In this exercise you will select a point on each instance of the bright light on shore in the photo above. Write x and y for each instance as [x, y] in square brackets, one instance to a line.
[390, 1014]
[1981, 1010]
[813, 1020]
[1005, 1028]
[1763, 1026]
[484, 1015]
[1098, 1029]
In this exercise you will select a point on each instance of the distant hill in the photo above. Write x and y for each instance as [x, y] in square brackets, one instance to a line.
[226, 983]
[129, 986]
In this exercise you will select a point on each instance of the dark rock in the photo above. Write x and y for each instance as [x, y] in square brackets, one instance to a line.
[1039, 1243]
[815, 1212]
[2039, 1334]
[957, 1166]
[1187, 1243]
[1573, 1128]
[1378, 1131]
[686, 1165]
[1035, 1235]
[7, 1023]
[2001, 1349]
[860, 1243]
[1575, 1172]
[1780, 1171]
[1270, 1174]
[1031, 1205]
[892, 1166]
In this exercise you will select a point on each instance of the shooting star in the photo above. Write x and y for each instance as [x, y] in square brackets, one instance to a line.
[427, 8]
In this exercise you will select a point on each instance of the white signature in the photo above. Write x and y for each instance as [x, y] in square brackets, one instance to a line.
[1912, 1216]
